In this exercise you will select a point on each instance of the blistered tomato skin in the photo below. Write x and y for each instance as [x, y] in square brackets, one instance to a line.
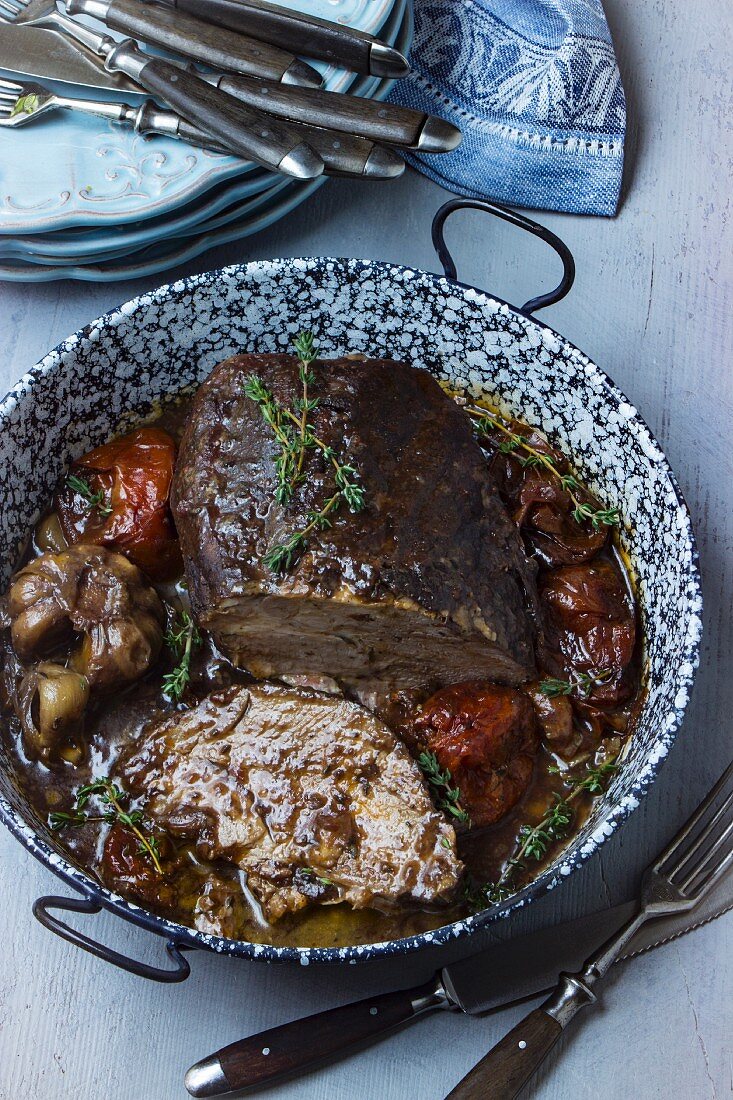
[486, 735]
[133, 474]
[128, 870]
[590, 627]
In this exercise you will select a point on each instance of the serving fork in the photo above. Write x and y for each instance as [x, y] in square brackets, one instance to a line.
[242, 130]
[684, 872]
[342, 154]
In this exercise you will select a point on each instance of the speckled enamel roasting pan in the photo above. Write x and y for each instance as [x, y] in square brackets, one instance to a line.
[118, 368]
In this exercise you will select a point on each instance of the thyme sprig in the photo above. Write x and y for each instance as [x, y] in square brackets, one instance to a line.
[447, 797]
[312, 873]
[25, 105]
[109, 794]
[93, 500]
[582, 685]
[296, 437]
[535, 841]
[582, 511]
[181, 637]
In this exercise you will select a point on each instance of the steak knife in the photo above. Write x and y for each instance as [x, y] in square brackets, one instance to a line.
[184, 34]
[303, 34]
[507, 972]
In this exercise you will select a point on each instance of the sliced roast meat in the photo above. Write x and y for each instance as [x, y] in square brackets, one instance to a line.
[308, 794]
[428, 585]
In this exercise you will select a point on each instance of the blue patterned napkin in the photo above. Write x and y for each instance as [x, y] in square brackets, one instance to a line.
[535, 87]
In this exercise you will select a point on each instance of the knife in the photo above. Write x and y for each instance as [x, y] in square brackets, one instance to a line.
[303, 34]
[379, 121]
[183, 34]
[507, 972]
[45, 55]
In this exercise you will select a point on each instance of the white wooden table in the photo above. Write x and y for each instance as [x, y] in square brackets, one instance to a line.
[652, 304]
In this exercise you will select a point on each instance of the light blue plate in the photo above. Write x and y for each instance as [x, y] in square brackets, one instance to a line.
[163, 255]
[231, 219]
[88, 173]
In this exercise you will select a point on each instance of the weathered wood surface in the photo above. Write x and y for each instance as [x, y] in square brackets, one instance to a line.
[653, 305]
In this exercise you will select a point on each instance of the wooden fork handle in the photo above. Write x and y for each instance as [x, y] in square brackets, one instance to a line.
[506, 1069]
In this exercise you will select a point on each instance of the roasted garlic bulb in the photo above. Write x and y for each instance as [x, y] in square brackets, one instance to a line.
[96, 602]
[51, 702]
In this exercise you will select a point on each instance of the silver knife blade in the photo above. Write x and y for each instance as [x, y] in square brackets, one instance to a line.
[45, 55]
[529, 965]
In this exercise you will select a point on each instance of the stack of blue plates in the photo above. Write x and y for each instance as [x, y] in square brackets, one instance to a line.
[82, 198]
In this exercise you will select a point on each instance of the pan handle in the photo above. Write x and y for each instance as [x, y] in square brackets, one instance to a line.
[449, 267]
[42, 911]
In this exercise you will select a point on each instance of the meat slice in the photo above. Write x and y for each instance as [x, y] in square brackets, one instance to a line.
[428, 585]
[309, 794]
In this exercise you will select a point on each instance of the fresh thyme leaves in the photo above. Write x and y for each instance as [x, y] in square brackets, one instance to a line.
[593, 781]
[583, 684]
[311, 873]
[535, 841]
[477, 896]
[446, 796]
[582, 511]
[296, 436]
[282, 556]
[181, 638]
[25, 105]
[109, 794]
[96, 500]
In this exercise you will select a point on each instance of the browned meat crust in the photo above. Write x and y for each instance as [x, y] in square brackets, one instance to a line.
[308, 794]
[427, 586]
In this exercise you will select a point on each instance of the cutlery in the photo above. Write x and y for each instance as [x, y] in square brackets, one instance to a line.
[342, 154]
[44, 55]
[382, 122]
[242, 130]
[303, 34]
[508, 971]
[184, 34]
[675, 882]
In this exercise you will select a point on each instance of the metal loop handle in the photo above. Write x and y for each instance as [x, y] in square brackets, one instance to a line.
[449, 267]
[41, 912]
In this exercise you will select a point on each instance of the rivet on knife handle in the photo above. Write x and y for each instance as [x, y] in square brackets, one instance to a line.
[303, 34]
[281, 1051]
[197, 40]
[240, 129]
[370, 118]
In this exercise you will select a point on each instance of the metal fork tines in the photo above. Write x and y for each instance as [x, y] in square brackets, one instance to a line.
[703, 848]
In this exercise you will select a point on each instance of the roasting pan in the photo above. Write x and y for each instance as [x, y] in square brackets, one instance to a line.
[117, 369]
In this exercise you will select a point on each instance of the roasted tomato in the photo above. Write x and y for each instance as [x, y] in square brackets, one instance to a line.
[118, 496]
[541, 507]
[130, 872]
[590, 628]
[486, 735]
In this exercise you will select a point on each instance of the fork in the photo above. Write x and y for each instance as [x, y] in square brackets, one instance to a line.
[342, 154]
[700, 853]
[242, 130]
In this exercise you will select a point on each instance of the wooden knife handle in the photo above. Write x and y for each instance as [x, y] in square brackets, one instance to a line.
[382, 122]
[508, 1066]
[303, 1044]
[302, 34]
[183, 34]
